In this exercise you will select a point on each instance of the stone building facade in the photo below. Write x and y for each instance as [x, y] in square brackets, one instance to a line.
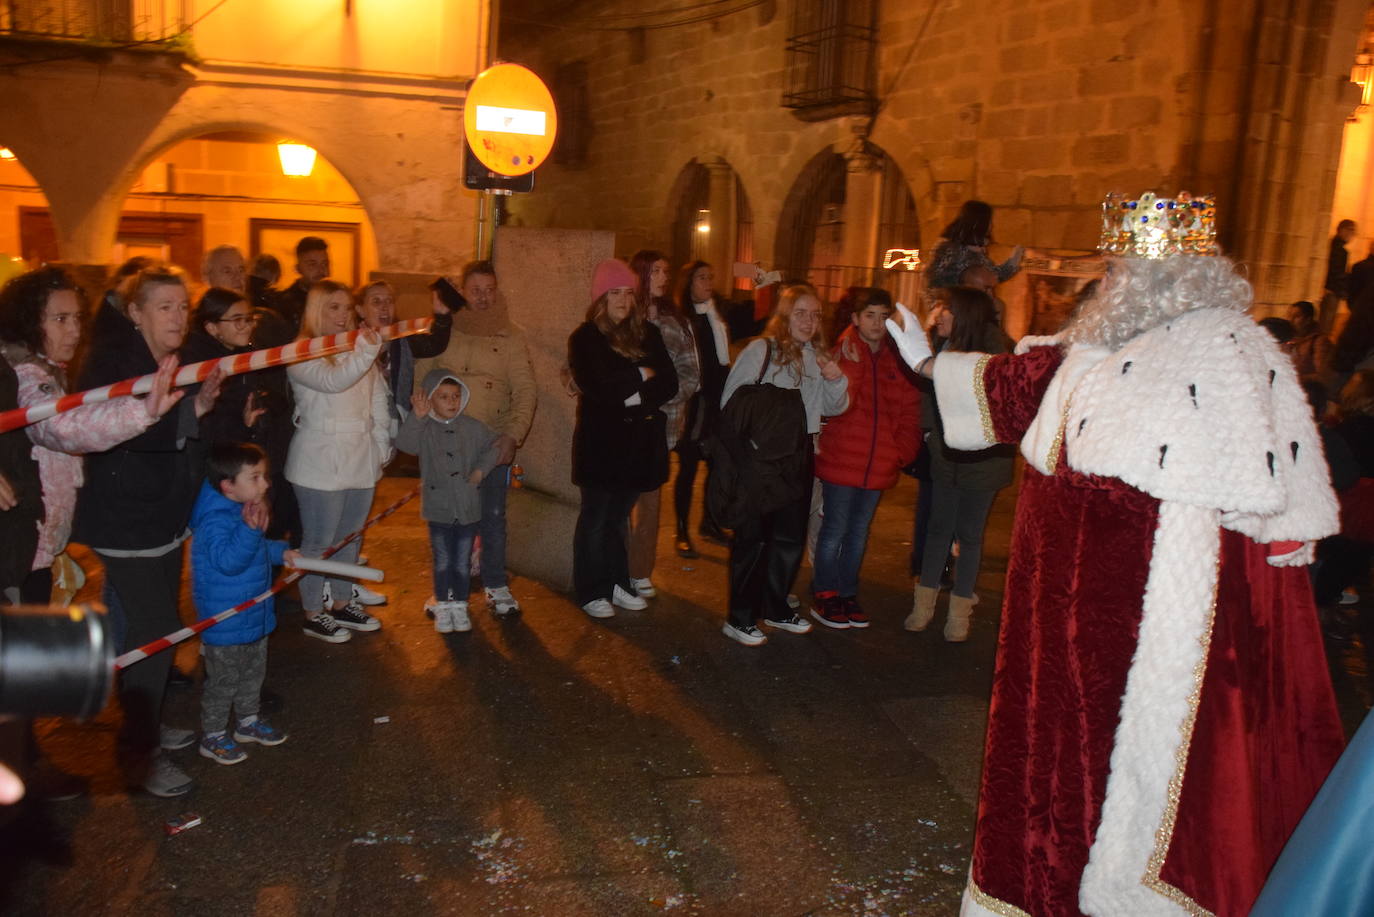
[1039, 108]
[89, 102]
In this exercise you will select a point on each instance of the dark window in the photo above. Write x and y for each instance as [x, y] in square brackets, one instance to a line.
[574, 114]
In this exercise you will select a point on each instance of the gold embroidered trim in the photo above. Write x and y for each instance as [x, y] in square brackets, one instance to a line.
[1057, 446]
[995, 905]
[984, 414]
[1165, 833]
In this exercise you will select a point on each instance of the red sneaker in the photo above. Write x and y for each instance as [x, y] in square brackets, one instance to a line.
[853, 611]
[826, 608]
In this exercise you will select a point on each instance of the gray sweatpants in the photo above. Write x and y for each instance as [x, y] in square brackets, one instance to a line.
[233, 676]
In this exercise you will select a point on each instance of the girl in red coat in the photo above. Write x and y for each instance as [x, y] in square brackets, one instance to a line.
[860, 453]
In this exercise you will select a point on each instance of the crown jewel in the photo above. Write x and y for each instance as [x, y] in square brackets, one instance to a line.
[1157, 227]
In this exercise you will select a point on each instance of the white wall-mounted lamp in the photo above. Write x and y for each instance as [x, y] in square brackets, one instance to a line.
[6, 154]
[296, 158]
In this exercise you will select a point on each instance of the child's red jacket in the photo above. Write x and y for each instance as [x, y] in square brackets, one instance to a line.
[880, 433]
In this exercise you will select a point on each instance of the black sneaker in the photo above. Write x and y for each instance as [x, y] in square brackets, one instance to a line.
[322, 627]
[795, 624]
[749, 635]
[353, 617]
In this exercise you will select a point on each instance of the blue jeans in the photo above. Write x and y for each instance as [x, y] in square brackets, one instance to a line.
[451, 547]
[492, 528]
[848, 512]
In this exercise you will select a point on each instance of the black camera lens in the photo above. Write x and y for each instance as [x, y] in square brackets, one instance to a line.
[54, 661]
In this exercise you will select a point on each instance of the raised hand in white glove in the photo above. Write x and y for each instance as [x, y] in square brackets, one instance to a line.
[909, 337]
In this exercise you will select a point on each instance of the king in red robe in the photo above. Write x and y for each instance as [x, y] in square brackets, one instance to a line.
[1161, 711]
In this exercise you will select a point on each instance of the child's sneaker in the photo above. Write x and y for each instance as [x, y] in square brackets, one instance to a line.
[366, 596]
[442, 613]
[459, 612]
[829, 610]
[259, 731]
[222, 750]
[502, 602]
[854, 611]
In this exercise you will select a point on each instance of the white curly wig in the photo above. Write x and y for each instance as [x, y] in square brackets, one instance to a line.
[1138, 293]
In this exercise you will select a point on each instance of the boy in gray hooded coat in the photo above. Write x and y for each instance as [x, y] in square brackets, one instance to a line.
[456, 452]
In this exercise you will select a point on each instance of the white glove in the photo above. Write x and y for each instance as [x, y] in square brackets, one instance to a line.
[909, 337]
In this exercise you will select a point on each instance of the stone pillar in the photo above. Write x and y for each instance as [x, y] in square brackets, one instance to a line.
[720, 247]
[545, 277]
[863, 204]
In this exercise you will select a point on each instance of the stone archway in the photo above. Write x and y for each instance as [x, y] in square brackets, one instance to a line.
[711, 218]
[232, 185]
[842, 212]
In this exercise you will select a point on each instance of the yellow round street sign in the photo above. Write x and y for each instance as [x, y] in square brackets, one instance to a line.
[509, 119]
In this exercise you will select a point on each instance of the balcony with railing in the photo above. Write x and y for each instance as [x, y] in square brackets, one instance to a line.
[830, 59]
[96, 22]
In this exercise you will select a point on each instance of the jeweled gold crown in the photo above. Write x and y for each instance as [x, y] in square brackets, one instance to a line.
[1157, 227]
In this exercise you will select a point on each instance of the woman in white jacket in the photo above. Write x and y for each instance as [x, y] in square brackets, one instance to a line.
[342, 440]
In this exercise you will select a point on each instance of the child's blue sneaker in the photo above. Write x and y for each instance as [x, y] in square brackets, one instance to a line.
[259, 731]
[222, 750]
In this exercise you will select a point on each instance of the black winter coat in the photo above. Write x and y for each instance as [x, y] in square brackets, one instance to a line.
[139, 494]
[616, 446]
[18, 526]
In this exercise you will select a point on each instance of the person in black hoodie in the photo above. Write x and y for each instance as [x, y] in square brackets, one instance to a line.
[136, 502]
[620, 448]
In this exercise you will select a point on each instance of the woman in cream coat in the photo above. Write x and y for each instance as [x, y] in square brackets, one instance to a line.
[342, 441]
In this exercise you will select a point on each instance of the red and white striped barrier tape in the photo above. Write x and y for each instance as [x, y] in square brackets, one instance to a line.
[234, 364]
[172, 639]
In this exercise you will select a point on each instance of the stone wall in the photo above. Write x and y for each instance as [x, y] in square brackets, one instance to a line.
[1039, 108]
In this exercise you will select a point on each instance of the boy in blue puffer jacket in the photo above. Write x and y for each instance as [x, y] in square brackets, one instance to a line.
[232, 561]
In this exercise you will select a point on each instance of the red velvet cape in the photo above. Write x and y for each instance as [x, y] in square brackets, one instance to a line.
[1266, 733]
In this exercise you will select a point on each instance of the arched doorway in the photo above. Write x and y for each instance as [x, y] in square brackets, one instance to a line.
[717, 229]
[231, 188]
[19, 191]
[843, 212]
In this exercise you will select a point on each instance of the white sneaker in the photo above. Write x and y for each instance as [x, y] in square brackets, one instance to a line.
[443, 616]
[643, 588]
[458, 611]
[366, 596]
[627, 600]
[502, 603]
[599, 608]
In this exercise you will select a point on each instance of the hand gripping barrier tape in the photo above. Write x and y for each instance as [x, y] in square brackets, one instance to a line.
[234, 364]
[172, 639]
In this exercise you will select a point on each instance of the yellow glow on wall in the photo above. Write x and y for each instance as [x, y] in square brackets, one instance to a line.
[6, 153]
[296, 158]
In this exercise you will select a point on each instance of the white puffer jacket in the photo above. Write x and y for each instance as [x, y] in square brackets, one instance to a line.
[343, 423]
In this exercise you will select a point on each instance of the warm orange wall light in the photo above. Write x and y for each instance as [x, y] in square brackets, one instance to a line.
[6, 153]
[296, 158]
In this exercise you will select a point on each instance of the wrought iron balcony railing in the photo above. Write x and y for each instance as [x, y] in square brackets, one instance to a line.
[830, 57]
[102, 22]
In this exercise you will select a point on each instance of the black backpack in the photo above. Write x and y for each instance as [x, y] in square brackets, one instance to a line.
[759, 452]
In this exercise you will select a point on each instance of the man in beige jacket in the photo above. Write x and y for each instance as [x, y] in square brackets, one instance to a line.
[490, 356]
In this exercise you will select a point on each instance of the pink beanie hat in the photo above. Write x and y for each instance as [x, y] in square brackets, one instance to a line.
[611, 274]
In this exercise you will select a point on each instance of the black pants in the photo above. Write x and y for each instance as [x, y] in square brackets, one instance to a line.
[600, 561]
[148, 588]
[37, 587]
[689, 455]
[765, 555]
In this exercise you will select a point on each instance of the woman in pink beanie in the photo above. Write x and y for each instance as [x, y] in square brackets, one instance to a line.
[623, 375]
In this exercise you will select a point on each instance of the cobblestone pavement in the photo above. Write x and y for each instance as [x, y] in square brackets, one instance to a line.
[555, 764]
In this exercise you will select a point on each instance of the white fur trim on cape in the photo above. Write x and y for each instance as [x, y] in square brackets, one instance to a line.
[1031, 341]
[1206, 410]
[964, 412]
[1041, 435]
[1156, 724]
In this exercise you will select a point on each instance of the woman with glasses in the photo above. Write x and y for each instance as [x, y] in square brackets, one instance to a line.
[221, 326]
